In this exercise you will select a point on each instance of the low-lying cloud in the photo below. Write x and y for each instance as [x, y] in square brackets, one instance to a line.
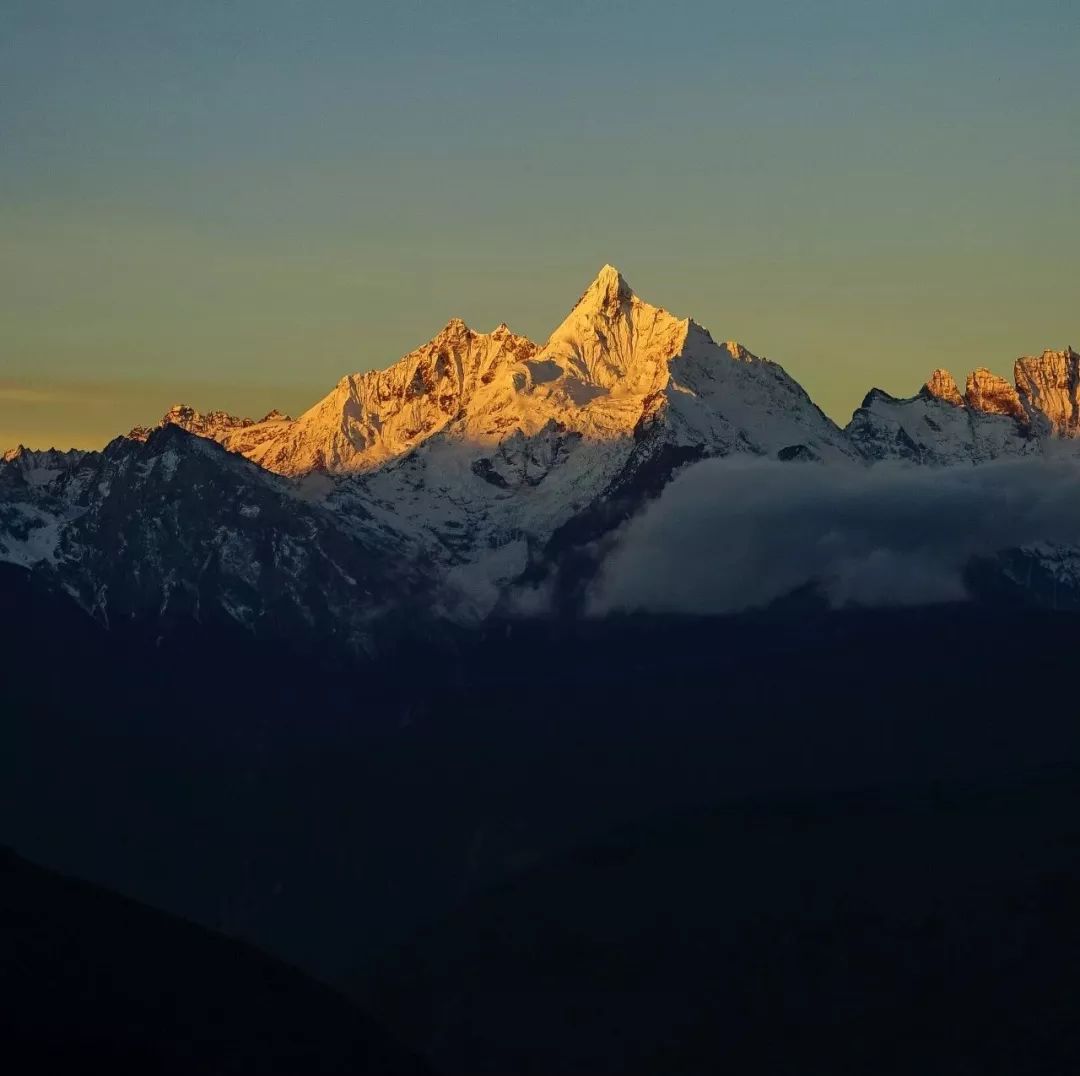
[731, 534]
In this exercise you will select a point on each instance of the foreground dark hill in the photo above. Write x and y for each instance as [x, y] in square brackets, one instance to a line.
[328, 809]
[929, 930]
[91, 980]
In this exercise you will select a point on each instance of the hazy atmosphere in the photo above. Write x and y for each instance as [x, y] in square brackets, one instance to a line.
[234, 204]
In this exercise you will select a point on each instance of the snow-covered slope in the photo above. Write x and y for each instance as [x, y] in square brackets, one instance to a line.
[515, 441]
[479, 448]
[934, 429]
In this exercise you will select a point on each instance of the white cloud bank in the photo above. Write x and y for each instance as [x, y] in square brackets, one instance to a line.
[733, 534]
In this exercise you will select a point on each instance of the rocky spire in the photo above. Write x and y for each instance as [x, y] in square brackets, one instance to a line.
[993, 395]
[941, 386]
[1050, 383]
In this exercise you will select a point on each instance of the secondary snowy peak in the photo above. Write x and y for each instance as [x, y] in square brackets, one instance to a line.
[934, 427]
[381, 414]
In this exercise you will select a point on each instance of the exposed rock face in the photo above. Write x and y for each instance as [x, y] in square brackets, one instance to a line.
[941, 386]
[238, 434]
[993, 395]
[1050, 385]
[372, 417]
[992, 418]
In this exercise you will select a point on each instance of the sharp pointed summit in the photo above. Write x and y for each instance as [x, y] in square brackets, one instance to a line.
[455, 327]
[606, 292]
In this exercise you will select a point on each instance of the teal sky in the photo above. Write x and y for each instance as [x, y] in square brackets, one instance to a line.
[235, 202]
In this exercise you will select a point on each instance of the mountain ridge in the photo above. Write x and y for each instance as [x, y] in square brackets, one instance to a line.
[477, 470]
[489, 386]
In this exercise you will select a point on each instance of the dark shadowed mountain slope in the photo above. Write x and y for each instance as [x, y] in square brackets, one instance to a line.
[927, 931]
[297, 799]
[175, 529]
[91, 981]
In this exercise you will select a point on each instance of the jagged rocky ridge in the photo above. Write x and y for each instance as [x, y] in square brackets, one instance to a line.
[993, 418]
[476, 462]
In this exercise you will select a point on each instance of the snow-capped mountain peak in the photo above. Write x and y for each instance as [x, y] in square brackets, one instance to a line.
[614, 365]
[485, 460]
[372, 417]
[606, 292]
[613, 341]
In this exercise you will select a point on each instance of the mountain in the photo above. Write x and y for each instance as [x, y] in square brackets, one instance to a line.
[992, 419]
[305, 708]
[329, 810]
[552, 448]
[38, 468]
[86, 973]
[752, 938]
[1049, 385]
[935, 429]
[175, 528]
[241, 435]
[482, 470]
[615, 367]
[493, 459]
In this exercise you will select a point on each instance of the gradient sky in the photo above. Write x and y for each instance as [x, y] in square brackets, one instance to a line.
[235, 202]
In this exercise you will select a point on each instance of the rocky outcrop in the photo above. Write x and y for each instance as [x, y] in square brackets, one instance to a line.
[992, 418]
[1050, 386]
[940, 385]
[217, 426]
[373, 417]
[993, 395]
